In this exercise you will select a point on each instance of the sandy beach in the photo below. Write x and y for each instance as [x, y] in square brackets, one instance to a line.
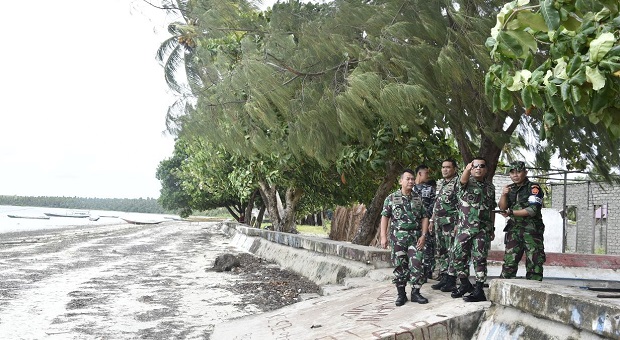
[126, 281]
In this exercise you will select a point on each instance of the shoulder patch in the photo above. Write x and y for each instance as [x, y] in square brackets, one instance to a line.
[535, 189]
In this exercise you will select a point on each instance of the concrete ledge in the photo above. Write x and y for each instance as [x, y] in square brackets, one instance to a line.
[585, 315]
[318, 267]
[378, 258]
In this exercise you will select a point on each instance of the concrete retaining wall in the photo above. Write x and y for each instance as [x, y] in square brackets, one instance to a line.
[524, 309]
[519, 309]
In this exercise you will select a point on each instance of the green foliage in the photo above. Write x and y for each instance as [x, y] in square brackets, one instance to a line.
[561, 58]
[139, 205]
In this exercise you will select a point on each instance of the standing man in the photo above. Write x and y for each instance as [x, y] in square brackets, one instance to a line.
[476, 229]
[444, 218]
[404, 211]
[522, 202]
[427, 191]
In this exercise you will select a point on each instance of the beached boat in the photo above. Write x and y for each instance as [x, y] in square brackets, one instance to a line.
[29, 216]
[134, 221]
[76, 214]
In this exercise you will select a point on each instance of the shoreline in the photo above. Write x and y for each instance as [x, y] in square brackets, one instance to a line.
[123, 281]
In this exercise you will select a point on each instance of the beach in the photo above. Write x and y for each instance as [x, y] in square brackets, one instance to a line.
[126, 281]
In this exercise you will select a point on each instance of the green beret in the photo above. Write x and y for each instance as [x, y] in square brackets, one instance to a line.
[518, 165]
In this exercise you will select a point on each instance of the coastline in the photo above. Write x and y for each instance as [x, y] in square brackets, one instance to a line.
[124, 281]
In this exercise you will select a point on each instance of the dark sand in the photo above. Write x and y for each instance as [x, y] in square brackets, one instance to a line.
[129, 281]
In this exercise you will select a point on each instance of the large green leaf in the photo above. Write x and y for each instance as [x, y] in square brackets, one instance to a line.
[509, 45]
[550, 14]
[594, 76]
[601, 45]
[532, 20]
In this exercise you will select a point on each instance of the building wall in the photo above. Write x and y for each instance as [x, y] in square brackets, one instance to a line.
[590, 235]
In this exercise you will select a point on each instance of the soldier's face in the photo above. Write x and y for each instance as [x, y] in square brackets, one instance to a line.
[447, 170]
[407, 181]
[518, 177]
[479, 169]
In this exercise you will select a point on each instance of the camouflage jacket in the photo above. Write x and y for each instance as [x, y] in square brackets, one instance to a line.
[476, 202]
[427, 192]
[406, 211]
[446, 203]
[528, 196]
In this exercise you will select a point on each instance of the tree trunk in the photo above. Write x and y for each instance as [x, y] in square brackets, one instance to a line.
[370, 222]
[259, 218]
[283, 220]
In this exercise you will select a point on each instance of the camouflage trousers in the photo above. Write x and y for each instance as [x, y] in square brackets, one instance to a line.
[519, 241]
[429, 255]
[471, 243]
[406, 258]
[445, 241]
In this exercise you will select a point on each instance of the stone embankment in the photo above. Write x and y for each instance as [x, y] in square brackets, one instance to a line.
[357, 298]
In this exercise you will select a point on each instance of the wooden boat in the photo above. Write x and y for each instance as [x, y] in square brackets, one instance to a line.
[70, 214]
[31, 217]
[140, 221]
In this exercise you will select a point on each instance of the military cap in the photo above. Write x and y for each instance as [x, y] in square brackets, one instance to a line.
[518, 165]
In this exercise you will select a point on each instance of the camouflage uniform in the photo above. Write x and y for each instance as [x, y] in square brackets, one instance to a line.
[476, 202]
[427, 192]
[445, 214]
[405, 213]
[525, 234]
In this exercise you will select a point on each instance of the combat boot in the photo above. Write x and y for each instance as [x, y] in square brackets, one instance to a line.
[464, 288]
[450, 284]
[417, 297]
[441, 283]
[477, 295]
[402, 296]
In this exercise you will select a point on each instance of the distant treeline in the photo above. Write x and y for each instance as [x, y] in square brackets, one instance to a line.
[139, 205]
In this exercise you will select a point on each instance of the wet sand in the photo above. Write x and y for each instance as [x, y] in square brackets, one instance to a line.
[118, 281]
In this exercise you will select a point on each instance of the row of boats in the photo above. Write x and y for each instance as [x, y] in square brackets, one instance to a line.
[83, 214]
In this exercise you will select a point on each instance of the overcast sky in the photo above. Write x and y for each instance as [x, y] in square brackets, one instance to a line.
[82, 100]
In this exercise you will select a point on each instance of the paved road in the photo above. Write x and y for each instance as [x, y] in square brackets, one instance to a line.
[114, 282]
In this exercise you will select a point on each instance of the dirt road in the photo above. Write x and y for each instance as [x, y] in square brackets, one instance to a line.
[115, 282]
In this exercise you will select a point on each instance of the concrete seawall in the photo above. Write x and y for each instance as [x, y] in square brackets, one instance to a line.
[358, 298]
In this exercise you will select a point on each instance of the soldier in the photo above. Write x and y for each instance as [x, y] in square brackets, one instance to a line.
[424, 188]
[476, 229]
[404, 211]
[522, 203]
[444, 217]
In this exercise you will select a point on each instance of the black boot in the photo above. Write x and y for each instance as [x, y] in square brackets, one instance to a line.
[477, 295]
[465, 287]
[441, 283]
[450, 284]
[417, 297]
[402, 296]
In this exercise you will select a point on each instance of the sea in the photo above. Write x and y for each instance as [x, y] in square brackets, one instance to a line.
[29, 218]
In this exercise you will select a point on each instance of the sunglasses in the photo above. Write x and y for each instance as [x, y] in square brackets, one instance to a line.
[481, 166]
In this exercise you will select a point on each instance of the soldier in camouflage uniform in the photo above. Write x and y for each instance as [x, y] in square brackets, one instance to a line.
[406, 216]
[522, 202]
[476, 229]
[444, 218]
[427, 191]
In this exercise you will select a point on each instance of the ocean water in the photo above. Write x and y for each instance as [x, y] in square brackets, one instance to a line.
[9, 224]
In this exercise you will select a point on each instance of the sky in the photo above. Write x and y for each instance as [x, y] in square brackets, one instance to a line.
[82, 99]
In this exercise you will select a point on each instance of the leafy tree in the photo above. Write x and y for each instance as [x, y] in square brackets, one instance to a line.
[558, 62]
[197, 177]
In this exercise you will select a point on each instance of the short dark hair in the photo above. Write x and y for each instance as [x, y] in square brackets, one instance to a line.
[480, 159]
[407, 170]
[420, 167]
[451, 160]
